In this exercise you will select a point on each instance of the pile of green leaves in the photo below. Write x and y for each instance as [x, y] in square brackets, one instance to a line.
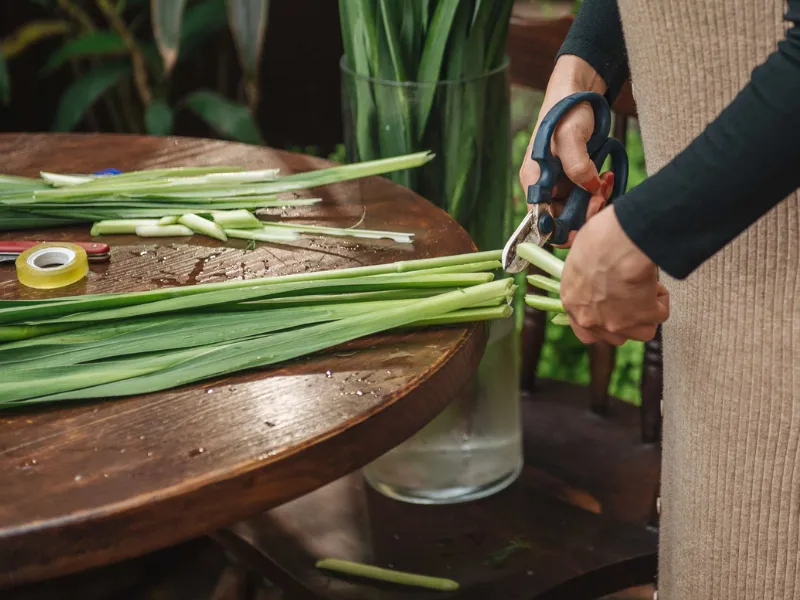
[58, 199]
[112, 345]
[114, 58]
[428, 74]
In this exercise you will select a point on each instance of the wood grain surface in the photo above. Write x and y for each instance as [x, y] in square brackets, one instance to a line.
[87, 485]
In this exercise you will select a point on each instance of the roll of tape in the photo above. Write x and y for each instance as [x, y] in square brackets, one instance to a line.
[52, 265]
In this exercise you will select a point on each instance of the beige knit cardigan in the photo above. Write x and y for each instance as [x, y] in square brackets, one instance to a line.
[730, 521]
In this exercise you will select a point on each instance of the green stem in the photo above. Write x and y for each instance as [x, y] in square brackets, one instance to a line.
[539, 257]
[544, 303]
[371, 572]
[545, 283]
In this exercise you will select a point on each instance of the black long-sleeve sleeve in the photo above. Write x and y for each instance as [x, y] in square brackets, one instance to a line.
[741, 166]
[596, 36]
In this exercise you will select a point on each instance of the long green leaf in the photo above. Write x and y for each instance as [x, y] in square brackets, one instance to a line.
[430, 66]
[166, 16]
[31, 33]
[100, 43]
[5, 81]
[247, 20]
[271, 349]
[101, 301]
[297, 181]
[158, 118]
[227, 117]
[215, 298]
[84, 91]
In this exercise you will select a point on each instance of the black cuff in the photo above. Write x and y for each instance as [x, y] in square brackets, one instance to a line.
[654, 241]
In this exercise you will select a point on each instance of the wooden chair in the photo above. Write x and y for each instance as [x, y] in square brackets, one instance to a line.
[579, 512]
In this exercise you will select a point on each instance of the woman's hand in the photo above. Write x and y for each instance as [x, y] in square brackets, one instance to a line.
[571, 75]
[609, 287]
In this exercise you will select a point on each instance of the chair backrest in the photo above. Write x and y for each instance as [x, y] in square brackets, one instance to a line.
[533, 43]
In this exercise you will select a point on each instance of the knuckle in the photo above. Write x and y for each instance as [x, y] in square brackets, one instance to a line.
[579, 170]
[615, 327]
[584, 320]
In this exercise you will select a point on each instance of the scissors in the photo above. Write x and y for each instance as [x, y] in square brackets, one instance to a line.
[540, 226]
[95, 252]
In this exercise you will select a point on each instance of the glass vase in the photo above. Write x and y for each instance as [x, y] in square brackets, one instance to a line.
[473, 448]
[466, 123]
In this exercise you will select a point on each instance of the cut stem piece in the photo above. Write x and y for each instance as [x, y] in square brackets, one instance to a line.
[262, 236]
[397, 236]
[204, 226]
[545, 283]
[236, 219]
[347, 567]
[163, 231]
[539, 257]
[171, 220]
[544, 303]
[560, 319]
[121, 226]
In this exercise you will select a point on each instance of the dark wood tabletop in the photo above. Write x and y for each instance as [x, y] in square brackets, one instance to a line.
[87, 485]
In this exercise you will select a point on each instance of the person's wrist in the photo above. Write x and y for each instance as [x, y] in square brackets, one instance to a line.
[573, 73]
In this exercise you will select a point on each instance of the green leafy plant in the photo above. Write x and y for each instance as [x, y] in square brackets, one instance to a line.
[113, 57]
[429, 75]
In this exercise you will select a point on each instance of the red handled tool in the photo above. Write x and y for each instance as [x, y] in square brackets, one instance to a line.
[9, 251]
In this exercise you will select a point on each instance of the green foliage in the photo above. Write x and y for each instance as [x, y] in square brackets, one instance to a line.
[167, 16]
[158, 118]
[5, 82]
[83, 92]
[131, 74]
[457, 105]
[100, 43]
[228, 118]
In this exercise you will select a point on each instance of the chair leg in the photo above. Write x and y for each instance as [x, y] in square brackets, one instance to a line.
[602, 357]
[652, 389]
[231, 585]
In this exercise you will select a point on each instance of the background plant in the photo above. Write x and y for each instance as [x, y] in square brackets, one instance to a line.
[123, 53]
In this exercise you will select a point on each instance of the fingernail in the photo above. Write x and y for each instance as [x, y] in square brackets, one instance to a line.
[594, 186]
[610, 179]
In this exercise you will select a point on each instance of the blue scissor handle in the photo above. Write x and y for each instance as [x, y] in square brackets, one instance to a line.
[599, 147]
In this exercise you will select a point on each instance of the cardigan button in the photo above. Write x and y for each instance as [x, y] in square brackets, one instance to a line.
[662, 408]
[658, 505]
[655, 595]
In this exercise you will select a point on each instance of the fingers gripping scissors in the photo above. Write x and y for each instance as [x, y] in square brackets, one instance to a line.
[540, 226]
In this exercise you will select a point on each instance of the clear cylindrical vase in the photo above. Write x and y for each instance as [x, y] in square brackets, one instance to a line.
[474, 447]
[471, 450]
[465, 123]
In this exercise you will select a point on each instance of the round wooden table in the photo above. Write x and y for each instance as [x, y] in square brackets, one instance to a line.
[90, 484]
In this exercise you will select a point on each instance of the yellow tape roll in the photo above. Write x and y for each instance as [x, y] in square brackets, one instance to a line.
[52, 265]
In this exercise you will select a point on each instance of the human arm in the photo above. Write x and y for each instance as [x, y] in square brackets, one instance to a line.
[592, 58]
[741, 166]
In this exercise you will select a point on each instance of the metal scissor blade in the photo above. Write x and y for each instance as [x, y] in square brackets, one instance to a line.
[526, 232]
